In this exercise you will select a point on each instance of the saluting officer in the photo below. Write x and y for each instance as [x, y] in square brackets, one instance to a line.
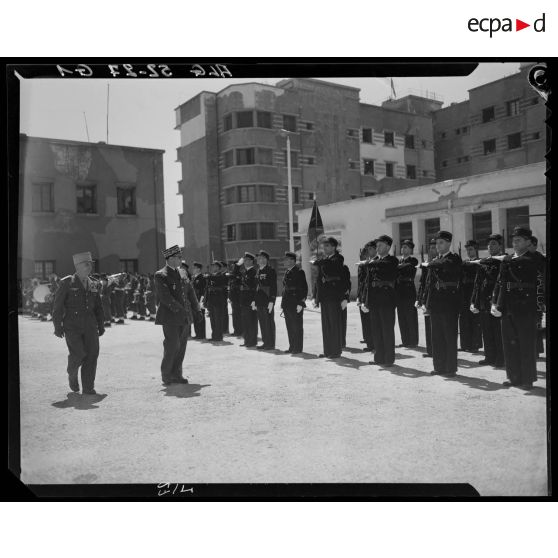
[469, 323]
[444, 303]
[293, 302]
[515, 300]
[215, 294]
[199, 282]
[330, 295]
[481, 302]
[235, 279]
[380, 301]
[247, 294]
[406, 295]
[178, 308]
[78, 316]
[225, 312]
[264, 299]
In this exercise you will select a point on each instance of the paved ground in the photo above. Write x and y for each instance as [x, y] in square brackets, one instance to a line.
[249, 416]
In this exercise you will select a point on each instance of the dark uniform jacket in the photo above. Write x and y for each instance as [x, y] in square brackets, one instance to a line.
[266, 289]
[199, 283]
[405, 284]
[178, 304]
[215, 288]
[331, 283]
[235, 280]
[76, 309]
[295, 288]
[469, 274]
[485, 281]
[248, 286]
[361, 281]
[380, 284]
[443, 283]
[516, 287]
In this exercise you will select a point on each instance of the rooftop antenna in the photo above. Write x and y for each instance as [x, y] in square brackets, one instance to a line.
[108, 96]
[86, 129]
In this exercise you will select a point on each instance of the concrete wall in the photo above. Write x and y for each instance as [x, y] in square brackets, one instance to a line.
[110, 237]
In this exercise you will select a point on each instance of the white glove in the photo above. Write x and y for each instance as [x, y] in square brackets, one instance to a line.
[473, 309]
[253, 305]
[495, 312]
[314, 304]
[417, 305]
[298, 308]
[365, 309]
[270, 307]
[343, 304]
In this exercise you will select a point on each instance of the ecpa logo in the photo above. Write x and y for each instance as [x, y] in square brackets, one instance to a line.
[494, 24]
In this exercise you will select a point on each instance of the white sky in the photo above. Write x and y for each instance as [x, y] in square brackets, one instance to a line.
[142, 111]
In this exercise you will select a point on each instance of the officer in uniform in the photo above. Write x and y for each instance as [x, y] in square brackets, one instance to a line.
[469, 323]
[215, 293]
[381, 301]
[264, 300]
[362, 278]
[422, 298]
[481, 302]
[515, 300]
[225, 312]
[78, 316]
[330, 295]
[150, 303]
[444, 302]
[406, 295]
[235, 279]
[293, 303]
[178, 307]
[199, 282]
[119, 300]
[106, 291]
[347, 278]
[247, 294]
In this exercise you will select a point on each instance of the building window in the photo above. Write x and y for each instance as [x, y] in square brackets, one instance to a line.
[310, 161]
[248, 231]
[368, 166]
[43, 196]
[389, 170]
[44, 268]
[444, 163]
[367, 135]
[228, 158]
[512, 107]
[295, 226]
[227, 122]
[245, 119]
[431, 227]
[482, 227]
[354, 165]
[466, 159]
[443, 135]
[231, 233]
[296, 195]
[457, 131]
[388, 139]
[514, 140]
[536, 136]
[128, 266]
[489, 146]
[267, 231]
[352, 133]
[311, 196]
[265, 156]
[411, 172]
[406, 230]
[309, 126]
[465, 130]
[516, 217]
[247, 193]
[294, 158]
[425, 174]
[230, 195]
[86, 199]
[264, 119]
[409, 141]
[488, 114]
[126, 201]
[289, 123]
[245, 156]
[267, 193]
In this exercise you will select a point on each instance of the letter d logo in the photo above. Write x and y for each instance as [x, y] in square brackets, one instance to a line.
[539, 24]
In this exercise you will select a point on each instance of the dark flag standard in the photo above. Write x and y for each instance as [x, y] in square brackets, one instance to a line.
[315, 228]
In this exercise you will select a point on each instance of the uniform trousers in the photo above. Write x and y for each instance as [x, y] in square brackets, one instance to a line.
[295, 328]
[332, 333]
[225, 314]
[382, 324]
[469, 330]
[267, 326]
[366, 335]
[428, 334]
[444, 341]
[216, 320]
[519, 338]
[174, 349]
[249, 326]
[236, 317]
[199, 326]
[344, 328]
[83, 347]
[408, 321]
[492, 337]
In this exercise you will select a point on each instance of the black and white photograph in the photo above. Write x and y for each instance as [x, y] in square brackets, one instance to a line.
[228, 278]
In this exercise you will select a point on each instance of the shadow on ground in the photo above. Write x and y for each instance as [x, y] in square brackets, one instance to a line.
[80, 402]
[184, 390]
[305, 356]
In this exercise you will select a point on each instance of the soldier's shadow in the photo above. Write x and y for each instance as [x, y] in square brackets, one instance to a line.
[355, 350]
[80, 402]
[305, 356]
[477, 383]
[184, 391]
[462, 363]
[404, 371]
[346, 362]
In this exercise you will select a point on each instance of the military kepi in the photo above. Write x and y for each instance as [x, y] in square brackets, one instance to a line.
[444, 235]
[385, 238]
[497, 237]
[263, 253]
[172, 251]
[330, 240]
[82, 257]
[472, 243]
[249, 255]
[198, 265]
[291, 255]
[408, 243]
[523, 232]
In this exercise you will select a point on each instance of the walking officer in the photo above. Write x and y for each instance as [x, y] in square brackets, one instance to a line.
[488, 270]
[178, 307]
[264, 299]
[469, 323]
[78, 316]
[330, 295]
[293, 303]
[515, 300]
[444, 303]
[406, 295]
[215, 293]
[199, 282]
[381, 301]
[248, 306]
